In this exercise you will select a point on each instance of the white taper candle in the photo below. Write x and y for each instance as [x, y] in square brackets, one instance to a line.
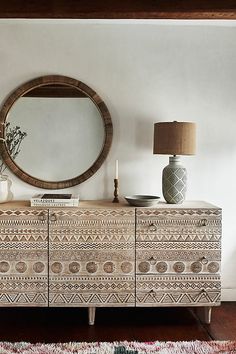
[117, 170]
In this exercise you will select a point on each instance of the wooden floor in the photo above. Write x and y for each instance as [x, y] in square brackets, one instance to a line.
[144, 324]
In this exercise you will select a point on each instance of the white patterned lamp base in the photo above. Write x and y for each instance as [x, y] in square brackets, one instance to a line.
[174, 181]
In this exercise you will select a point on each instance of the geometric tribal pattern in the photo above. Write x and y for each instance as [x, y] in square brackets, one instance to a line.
[165, 285]
[153, 255]
[117, 256]
[26, 299]
[186, 235]
[178, 256]
[80, 299]
[180, 245]
[113, 285]
[174, 184]
[101, 244]
[23, 258]
[178, 298]
[178, 212]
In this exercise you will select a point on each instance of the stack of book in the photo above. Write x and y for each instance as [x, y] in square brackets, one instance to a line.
[54, 200]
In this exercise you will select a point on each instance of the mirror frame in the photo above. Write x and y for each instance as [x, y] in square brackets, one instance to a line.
[60, 80]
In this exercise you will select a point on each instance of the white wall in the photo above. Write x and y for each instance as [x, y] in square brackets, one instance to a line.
[145, 72]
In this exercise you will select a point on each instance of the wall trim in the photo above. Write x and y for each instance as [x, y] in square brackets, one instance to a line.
[228, 294]
[146, 22]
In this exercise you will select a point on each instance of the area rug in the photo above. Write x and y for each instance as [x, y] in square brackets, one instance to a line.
[195, 347]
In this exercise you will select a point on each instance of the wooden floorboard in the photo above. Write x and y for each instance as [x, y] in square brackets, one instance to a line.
[114, 324]
[223, 325]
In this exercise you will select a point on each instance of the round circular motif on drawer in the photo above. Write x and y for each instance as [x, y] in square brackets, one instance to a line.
[109, 267]
[56, 267]
[4, 267]
[161, 267]
[179, 267]
[213, 267]
[74, 267]
[21, 267]
[38, 267]
[91, 267]
[144, 267]
[126, 267]
[196, 267]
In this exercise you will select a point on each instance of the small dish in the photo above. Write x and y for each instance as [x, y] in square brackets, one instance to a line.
[142, 200]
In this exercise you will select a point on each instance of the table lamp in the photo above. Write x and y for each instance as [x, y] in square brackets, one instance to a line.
[174, 138]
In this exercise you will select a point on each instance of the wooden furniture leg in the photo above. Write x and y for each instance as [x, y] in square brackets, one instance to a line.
[91, 315]
[204, 314]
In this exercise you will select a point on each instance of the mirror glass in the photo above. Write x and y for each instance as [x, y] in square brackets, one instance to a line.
[65, 132]
[57, 132]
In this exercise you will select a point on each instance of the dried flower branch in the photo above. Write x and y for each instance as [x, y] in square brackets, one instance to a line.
[14, 137]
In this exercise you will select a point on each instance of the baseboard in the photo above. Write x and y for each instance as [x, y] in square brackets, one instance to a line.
[228, 294]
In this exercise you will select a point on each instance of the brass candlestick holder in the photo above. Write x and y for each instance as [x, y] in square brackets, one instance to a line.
[116, 199]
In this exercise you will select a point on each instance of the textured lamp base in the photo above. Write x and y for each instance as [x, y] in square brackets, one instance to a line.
[174, 181]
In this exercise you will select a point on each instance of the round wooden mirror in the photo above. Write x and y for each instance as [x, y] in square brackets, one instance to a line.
[68, 131]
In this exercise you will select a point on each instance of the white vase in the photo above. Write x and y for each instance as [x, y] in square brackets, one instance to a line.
[5, 185]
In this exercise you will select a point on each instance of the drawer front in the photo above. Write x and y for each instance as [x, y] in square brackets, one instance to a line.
[178, 257]
[23, 257]
[92, 257]
[178, 290]
[178, 224]
[92, 225]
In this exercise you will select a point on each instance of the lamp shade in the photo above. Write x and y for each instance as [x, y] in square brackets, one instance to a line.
[174, 138]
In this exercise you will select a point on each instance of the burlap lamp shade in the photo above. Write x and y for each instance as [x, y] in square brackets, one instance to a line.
[174, 138]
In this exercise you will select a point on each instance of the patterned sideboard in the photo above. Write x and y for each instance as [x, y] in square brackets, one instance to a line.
[104, 254]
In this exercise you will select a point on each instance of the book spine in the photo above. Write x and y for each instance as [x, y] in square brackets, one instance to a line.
[46, 201]
[57, 204]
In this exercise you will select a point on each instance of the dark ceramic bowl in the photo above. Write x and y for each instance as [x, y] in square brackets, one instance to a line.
[142, 200]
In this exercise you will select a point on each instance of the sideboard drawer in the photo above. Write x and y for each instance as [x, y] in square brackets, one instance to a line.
[178, 224]
[178, 290]
[177, 257]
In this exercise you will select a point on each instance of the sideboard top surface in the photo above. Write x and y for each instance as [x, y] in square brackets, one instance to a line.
[109, 204]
